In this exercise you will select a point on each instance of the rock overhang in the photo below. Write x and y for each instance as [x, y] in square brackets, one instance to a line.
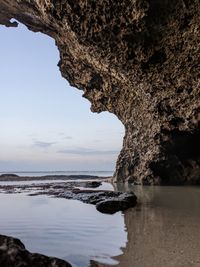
[139, 60]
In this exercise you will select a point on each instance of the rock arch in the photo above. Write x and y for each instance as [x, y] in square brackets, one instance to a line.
[139, 60]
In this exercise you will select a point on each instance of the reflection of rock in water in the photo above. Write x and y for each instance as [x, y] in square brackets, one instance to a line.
[164, 231]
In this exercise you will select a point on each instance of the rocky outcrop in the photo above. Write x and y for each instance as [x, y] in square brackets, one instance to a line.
[16, 178]
[120, 202]
[14, 254]
[106, 201]
[138, 59]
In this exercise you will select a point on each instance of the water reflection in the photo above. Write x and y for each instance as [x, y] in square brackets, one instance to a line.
[163, 230]
[63, 228]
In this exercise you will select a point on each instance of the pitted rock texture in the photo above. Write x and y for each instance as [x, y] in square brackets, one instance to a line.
[138, 59]
[14, 254]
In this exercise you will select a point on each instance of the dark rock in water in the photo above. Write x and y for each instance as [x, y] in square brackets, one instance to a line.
[14, 254]
[111, 201]
[121, 203]
[112, 206]
[105, 201]
[93, 184]
[11, 175]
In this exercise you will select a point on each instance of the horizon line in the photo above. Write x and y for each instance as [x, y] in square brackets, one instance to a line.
[59, 171]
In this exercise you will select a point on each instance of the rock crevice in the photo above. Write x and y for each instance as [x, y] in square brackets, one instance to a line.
[139, 60]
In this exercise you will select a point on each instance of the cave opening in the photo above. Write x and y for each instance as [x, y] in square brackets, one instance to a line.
[46, 125]
[182, 162]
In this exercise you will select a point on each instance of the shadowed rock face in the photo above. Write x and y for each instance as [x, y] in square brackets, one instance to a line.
[138, 59]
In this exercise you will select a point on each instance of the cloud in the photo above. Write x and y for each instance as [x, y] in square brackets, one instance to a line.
[67, 137]
[88, 151]
[97, 140]
[42, 144]
[64, 136]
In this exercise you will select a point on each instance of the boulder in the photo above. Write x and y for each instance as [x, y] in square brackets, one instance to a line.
[121, 203]
[14, 254]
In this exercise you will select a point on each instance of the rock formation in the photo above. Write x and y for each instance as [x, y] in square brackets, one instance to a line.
[14, 254]
[138, 59]
[106, 201]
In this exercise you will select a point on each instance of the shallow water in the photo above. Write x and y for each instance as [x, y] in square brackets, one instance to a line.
[63, 228]
[162, 230]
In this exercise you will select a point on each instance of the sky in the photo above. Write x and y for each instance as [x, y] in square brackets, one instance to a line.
[45, 124]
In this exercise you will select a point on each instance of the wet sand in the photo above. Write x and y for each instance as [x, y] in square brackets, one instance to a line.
[163, 230]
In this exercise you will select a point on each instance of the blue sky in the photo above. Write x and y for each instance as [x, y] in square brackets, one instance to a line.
[46, 124]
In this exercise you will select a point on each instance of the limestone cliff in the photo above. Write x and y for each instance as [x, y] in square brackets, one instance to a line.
[138, 59]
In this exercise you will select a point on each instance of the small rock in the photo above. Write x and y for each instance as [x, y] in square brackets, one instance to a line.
[121, 203]
[93, 184]
[8, 175]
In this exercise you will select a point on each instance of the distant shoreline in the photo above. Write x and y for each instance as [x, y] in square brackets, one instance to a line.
[16, 178]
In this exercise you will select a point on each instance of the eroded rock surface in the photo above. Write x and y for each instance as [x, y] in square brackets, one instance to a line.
[14, 254]
[138, 59]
